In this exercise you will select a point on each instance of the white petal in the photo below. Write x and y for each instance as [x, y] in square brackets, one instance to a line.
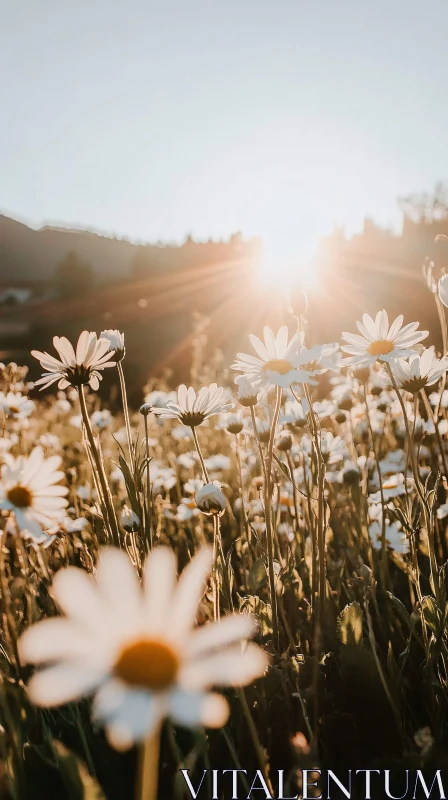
[195, 708]
[63, 683]
[77, 595]
[159, 584]
[233, 628]
[237, 666]
[131, 715]
[259, 348]
[281, 342]
[120, 589]
[188, 593]
[51, 640]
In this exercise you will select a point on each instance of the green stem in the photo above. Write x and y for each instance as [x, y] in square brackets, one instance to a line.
[198, 449]
[320, 514]
[268, 517]
[384, 561]
[420, 490]
[126, 415]
[111, 518]
[259, 752]
[148, 482]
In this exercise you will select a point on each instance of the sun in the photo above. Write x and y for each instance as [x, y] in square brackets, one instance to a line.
[280, 266]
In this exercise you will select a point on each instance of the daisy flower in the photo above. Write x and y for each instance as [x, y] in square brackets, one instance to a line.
[232, 423]
[17, 406]
[187, 509]
[29, 487]
[137, 649]
[419, 371]
[379, 341]
[192, 409]
[394, 535]
[116, 343]
[278, 363]
[247, 393]
[75, 369]
[294, 415]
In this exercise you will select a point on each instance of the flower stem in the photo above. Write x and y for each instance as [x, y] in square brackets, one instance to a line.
[420, 490]
[148, 482]
[384, 561]
[320, 515]
[268, 520]
[435, 418]
[126, 414]
[111, 518]
[268, 516]
[198, 449]
[149, 768]
[259, 752]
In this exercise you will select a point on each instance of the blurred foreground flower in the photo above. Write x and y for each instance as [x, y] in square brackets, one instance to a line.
[138, 650]
[30, 488]
[75, 369]
[192, 409]
[379, 341]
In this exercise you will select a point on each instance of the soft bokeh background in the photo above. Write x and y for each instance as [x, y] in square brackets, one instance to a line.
[290, 122]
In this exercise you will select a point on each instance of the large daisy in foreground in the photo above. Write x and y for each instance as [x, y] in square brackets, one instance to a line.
[138, 650]
[279, 363]
[379, 341]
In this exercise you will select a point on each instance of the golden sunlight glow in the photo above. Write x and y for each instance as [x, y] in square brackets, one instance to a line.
[280, 266]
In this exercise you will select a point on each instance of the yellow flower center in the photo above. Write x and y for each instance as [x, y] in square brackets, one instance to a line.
[148, 663]
[277, 365]
[20, 497]
[381, 347]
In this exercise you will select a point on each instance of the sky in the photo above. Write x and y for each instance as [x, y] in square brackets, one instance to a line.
[280, 118]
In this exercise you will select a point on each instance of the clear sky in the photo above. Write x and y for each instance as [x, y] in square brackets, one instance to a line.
[275, 117]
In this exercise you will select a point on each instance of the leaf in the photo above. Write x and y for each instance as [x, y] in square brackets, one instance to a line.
[401, 609]
[130, 487]
[257, 575]
[284, 468]
[431, 613]
[261, 610]
[79, 783]
[350, 624]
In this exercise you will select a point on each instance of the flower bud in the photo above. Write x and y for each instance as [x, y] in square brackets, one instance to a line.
[443, 289]
[210, 499]
[297, 300]
[129, 520]
[351, 477]
[284, 441]
[116, 343]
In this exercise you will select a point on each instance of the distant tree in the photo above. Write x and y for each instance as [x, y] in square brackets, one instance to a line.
[426, 207]
[72, 276]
